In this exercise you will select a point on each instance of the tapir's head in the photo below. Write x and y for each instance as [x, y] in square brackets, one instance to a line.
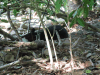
[30, 36]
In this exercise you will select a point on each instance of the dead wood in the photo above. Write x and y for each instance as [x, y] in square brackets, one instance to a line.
[91, 26]
[7, 35]
[33, 45]
[7, 65]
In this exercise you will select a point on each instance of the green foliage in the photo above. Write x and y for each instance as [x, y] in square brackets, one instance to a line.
[91, 3]
[86, 11]
[3, 20]
[15, 12]
[73, 21]
[79, 12]
[37, 0]
[71, 14]
[81, 22]
[5, 3]
[58, 5]
[53, 6]
[65, 4]
[82, 11]
[74, 16]
[50, 12]
[88, 71]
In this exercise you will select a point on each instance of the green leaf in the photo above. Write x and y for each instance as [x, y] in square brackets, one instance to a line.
[5, 4]
[81, 22]
[90, 7]
[50, 12]
[65, 3]
[88, 71]
[37, 0]
[75, 20]
[75, 13]
[3, 20]
[15, 12]
[72, 23]
[79, 11]
[58, 5]
[66, 20]
[71, 14]
[86, 2]
[91, 3]
[86, 11]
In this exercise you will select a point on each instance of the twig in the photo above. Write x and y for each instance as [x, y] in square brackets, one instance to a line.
[12, 25]
[10, 64]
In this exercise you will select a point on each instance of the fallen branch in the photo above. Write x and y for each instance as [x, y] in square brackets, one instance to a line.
[33, 45]
[91, 26]
[7, 35]
[10, 64]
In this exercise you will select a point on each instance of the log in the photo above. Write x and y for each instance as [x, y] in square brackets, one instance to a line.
[33, 45]
[7, 35]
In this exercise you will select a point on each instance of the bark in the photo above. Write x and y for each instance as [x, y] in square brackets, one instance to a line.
[7, 35]
[33, 45]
